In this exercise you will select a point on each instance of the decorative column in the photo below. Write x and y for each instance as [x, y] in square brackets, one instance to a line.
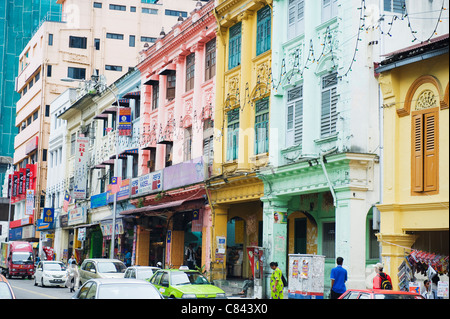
[275, 236]
[218, 257]
[178, 130]
[197, 132]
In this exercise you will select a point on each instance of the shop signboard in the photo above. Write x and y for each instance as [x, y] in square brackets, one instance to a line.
[134, 187]
[147, 184]
[124, 190]
[77, 216]
[106, 227]
[99, 200]
[28, 231]
[22, 189]
[49, 215]
[82, 233]
[63, 220]
[29, 206]
[183, 174]
[81, 169]
[15, 233]
[41, 225]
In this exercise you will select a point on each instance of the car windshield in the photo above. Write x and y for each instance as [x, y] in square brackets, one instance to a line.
[188, 278]
[111, 267]
[395, 296]
[22, 258]
[55, 267]
[5, 293]
[128, 291]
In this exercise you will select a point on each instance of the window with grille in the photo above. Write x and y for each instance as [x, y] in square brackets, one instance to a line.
[210, 60]
[234, 46]
[329, 105]
[424, 166]
[294, 121]
[263, 30]
[233, 134]
[296, 18]
[262, 126]
[190, 71]
[397, 6]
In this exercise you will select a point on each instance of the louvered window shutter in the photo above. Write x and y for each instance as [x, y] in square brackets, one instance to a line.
[430, 152]
[417, 153]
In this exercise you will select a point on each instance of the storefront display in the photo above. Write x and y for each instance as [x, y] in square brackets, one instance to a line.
[421, 262]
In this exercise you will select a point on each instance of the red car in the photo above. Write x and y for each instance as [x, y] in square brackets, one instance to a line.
[378, 294]
[6, 291]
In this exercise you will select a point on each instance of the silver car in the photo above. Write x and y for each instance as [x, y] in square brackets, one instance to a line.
[117, 288]
[101, 268]
[140, 272]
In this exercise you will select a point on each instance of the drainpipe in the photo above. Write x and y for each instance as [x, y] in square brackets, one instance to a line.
[321, 156]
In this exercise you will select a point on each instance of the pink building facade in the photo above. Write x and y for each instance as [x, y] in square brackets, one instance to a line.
[177, 101]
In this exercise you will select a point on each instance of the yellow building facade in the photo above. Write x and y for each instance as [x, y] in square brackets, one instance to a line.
[414, 211]
[241, 118]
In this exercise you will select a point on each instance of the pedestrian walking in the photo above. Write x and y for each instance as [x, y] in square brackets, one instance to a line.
[276, 282]
[69, 262]
[381, 279]
[72, 276]
[338, 278]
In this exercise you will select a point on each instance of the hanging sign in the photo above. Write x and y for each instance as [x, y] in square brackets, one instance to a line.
[81, 169]
[124, 121]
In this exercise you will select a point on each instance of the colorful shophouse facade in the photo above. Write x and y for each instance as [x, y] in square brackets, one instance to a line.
[321, 181]
[414, 212]
[244, 33]
[178, 81]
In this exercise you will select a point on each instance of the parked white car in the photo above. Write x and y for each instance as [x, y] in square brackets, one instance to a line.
[140, 272]
[101, 268]
[50, 273]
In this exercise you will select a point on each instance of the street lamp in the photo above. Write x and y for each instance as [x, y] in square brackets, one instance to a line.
[95, 80]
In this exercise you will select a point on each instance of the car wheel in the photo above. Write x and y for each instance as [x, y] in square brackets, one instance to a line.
[42, 282]
[35, 281]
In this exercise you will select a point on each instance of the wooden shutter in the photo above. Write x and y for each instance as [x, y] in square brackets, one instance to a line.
[417, 153]
[430, 152]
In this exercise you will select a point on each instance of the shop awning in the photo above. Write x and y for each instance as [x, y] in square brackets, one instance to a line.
[132, 95]
[122, 102]
[153, 207]
[152, 80]
[168, 69]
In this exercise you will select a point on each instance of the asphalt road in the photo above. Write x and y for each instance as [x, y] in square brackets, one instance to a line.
[25, 289]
